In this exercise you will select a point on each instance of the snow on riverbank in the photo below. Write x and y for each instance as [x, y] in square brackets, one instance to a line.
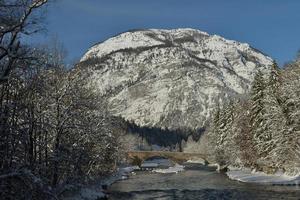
[248, 176]
[177, 168]
[197, 161]
[95, 191]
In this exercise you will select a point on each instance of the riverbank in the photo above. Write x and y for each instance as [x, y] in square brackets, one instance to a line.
[94, 190]
[250, 176]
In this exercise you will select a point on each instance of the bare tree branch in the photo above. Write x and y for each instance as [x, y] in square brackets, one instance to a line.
[9, 33]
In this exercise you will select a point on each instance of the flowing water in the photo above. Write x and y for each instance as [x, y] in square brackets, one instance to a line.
[195, 182]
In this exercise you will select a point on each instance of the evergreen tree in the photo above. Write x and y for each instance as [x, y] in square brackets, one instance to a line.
[275, 119]
[214, 132]
[244, 147]
[216, 120]
[221, 135]
[228, 134]
[287, 152]
[257, 114]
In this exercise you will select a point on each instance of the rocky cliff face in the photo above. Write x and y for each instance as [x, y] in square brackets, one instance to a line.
[171, 78]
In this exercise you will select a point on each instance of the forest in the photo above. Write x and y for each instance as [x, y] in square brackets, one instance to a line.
[262, 130]
[53, 130]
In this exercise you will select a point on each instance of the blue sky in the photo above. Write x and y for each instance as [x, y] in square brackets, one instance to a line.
[269, 25]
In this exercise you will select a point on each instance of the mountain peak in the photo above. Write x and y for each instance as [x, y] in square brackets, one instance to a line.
[139, 38]
[171, 78]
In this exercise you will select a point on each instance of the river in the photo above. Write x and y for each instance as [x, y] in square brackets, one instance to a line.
[195, 182]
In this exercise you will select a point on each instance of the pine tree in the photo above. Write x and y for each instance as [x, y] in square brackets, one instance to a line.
[216, 121]
[226, 122]
[275, 119]
[228, 132]
[222, 133]
[243, 139]
[214, 133]
[257, 114]
[288, 149]
[275, 82]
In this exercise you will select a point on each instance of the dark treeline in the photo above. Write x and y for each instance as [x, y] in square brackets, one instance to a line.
[163, 137]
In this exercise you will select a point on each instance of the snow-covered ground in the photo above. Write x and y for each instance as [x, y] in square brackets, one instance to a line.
[175, 169]
[197, 161]
[95, 191]
[248, 176]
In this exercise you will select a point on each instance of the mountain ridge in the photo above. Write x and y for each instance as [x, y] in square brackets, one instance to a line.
[159, 77]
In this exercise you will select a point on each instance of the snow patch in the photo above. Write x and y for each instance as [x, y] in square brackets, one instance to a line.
[197, 161]
[177, 168]
[250, 176]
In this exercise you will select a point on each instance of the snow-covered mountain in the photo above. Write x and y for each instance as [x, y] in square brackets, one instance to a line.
[171, 78]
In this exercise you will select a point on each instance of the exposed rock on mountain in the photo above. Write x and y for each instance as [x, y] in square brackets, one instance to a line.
[171, 78]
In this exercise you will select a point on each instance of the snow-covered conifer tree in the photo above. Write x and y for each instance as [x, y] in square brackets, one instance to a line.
[257, 113]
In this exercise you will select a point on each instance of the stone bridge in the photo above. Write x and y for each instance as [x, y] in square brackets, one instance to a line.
[178, 157]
